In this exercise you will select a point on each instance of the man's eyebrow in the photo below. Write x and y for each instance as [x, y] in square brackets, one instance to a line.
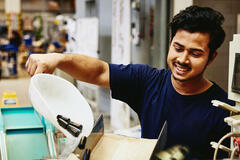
[192, 49]
[196, 49]
[179, 44]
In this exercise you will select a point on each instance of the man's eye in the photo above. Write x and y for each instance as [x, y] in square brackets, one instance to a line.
[179, 49]
[195, 54]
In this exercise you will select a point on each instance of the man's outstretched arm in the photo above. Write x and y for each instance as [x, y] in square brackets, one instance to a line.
[81, 67]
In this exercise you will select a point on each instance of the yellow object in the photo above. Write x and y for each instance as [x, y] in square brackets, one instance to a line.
[56, 22]
[9, 99]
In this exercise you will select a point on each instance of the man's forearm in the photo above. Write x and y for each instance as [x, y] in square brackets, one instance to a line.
[85, 68]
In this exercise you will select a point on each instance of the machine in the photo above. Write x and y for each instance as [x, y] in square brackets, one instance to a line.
[233, 94]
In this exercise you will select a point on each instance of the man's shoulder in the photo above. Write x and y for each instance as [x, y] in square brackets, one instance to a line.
[143, 69]
[218, 91]
[221, 94]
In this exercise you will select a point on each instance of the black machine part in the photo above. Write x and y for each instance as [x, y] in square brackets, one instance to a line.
[72, 127]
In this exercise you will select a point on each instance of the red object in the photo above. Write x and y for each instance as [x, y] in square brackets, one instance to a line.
[236, 143]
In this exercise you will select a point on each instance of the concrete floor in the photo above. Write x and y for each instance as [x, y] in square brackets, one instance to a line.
[18, 84]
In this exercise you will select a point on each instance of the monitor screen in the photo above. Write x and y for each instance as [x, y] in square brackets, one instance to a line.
[236, 74]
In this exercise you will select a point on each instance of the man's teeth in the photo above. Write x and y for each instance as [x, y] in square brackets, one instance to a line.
[182, 69]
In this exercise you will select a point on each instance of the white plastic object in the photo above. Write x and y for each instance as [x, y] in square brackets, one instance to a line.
[51, 96]
[226, 106]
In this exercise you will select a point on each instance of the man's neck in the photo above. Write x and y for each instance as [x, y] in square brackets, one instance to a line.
[191, 87]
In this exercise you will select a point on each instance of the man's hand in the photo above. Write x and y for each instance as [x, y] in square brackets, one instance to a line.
[83, 68]
[42, 63]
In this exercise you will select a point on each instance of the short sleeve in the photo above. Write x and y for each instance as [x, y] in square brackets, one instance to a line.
[128, 83]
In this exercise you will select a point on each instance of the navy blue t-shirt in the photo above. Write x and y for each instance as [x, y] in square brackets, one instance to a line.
[192, 119]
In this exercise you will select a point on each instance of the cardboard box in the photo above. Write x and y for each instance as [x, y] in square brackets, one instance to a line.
[116, 147]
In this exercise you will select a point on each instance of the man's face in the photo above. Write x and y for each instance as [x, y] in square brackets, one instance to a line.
[188, 55]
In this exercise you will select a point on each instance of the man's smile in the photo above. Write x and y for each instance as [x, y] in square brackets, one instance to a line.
[180, 68]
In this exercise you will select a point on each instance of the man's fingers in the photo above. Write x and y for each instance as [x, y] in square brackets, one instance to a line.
[29, 66]
[38, 70]
[33, 68]
[39, 64]
[27, 63]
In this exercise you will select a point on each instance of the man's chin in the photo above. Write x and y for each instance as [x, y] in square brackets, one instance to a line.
[180, 79]
[186, 79]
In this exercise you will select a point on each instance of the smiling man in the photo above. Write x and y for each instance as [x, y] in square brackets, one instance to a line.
[188, 58]
[180, 95]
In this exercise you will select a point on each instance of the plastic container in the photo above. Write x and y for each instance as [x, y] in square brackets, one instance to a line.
[52, 96]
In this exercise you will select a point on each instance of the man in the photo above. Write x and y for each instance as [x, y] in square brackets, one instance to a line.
[181, 95]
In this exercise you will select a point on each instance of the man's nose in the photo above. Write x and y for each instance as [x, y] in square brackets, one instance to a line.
[183, 58]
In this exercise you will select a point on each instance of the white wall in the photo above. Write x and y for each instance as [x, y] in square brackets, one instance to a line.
[180, 5]
[13, 6]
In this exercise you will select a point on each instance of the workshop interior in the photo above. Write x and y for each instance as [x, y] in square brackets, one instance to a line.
[58, 117]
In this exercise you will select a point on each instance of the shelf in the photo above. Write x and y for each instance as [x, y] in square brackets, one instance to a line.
[39, 10]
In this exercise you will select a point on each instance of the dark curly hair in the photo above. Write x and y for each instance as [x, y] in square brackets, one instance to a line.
[200, 19]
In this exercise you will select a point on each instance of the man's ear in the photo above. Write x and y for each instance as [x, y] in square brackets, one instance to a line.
[212, 58]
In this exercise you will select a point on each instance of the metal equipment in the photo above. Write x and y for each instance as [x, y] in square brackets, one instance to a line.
[24, 134]
[233, 94]
[86, 144]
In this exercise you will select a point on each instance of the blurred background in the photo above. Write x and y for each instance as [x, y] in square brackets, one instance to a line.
[116, 31]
